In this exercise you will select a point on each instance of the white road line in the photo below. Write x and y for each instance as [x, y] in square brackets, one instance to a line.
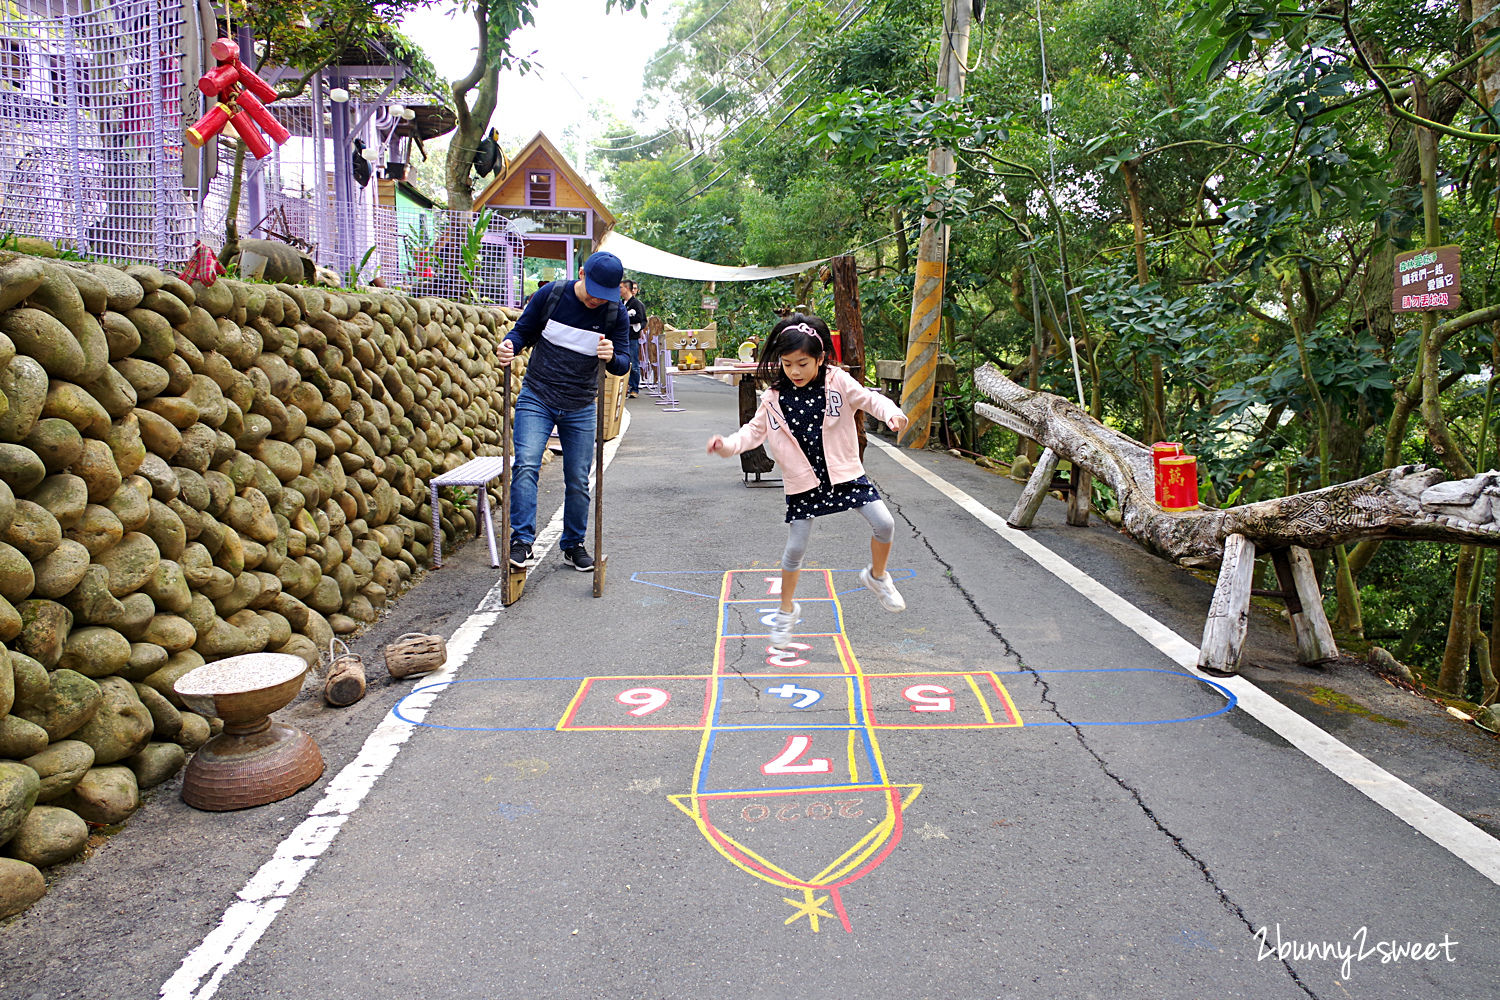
[1432, 819]
[272, 885]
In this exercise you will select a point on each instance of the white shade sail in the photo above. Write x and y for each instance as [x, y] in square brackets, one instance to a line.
[637, 256]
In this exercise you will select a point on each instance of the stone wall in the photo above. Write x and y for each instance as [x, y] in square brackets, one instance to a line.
[189, 473]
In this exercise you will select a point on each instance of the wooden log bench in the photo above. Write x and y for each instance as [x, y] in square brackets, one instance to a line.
[1077, 487]
[1228, 620]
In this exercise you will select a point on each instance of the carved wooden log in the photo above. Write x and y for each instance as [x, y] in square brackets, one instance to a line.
[1036, 489]
[1229, 613]
[1410, 502]
[415, 653]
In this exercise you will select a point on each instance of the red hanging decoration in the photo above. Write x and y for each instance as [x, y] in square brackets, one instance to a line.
[203, 267]
[242, 97]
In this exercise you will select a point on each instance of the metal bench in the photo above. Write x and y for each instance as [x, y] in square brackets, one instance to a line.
[478, 473]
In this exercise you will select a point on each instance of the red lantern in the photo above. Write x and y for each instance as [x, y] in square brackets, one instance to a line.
[1179, 483]
[1159, 451]
[242, 98]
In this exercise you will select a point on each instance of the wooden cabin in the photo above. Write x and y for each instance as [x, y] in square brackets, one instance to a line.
[567, 219]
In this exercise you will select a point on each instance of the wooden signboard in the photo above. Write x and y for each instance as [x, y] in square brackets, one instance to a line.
[691, 340]
[1426, 279]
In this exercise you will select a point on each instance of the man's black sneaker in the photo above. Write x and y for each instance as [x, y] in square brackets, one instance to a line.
[579, 558]
[520, 555]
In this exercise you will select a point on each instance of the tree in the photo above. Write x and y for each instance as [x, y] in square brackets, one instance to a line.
[310, 35]
[476, 94]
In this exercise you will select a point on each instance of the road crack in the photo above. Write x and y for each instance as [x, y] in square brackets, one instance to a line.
[1046, 696]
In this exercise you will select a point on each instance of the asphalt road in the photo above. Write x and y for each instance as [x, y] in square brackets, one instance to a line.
[1001, 792]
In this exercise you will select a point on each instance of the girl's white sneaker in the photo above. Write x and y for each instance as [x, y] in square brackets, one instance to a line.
[782, 622]
[884, 588]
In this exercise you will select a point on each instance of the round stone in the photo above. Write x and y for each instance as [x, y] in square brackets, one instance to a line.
[61, 766]
[156, 762]
[105, 795]
[48, 835]
[20, 886]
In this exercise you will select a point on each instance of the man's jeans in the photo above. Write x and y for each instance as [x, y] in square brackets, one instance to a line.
[635, 366]
[575, 429]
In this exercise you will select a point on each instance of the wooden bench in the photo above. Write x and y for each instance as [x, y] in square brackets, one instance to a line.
[477, 473]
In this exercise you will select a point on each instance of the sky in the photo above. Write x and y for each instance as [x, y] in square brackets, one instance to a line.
[583, 58]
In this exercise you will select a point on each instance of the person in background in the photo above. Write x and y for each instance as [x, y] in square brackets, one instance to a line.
[570, 327]
[630, 298]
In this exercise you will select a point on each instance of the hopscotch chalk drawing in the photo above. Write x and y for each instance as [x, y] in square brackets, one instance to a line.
[789, 783]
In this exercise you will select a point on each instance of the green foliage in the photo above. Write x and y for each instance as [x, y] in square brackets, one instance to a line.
[459, 496]
[1209, 211]
[354, 275]
[471, 253]
[310, 34]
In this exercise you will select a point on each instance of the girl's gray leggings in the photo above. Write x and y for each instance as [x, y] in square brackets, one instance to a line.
[798, 532]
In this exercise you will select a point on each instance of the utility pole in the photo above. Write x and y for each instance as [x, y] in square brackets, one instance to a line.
[919, 381]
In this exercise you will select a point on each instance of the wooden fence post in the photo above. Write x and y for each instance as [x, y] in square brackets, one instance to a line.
[1229, 612]
[1319, 647]
[1036, 489]
[851, 326]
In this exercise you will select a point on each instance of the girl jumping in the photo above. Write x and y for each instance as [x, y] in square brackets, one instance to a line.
[807, 419]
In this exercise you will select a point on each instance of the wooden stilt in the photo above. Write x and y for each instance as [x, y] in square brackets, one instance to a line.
[1036, 488]
[515, 579]
[1320, 647]
[599, 557]
[1229, 612]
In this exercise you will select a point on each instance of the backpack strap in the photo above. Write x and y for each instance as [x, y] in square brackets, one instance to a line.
[554, 296]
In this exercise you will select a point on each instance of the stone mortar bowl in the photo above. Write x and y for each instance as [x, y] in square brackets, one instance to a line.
[243, 690]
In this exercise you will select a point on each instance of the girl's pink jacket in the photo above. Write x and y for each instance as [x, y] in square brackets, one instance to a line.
[844, 399]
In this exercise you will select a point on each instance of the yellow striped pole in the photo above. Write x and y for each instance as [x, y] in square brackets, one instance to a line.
[919, 384]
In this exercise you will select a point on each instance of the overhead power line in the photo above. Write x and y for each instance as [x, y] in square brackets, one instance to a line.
[763, 105]
[737, 59]
[758, 113]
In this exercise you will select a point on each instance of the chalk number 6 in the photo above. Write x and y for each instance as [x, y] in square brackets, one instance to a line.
[646, 700]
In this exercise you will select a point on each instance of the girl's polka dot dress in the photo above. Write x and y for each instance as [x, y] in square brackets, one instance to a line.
[804, 408]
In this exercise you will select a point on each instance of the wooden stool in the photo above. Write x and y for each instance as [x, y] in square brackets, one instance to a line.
[478, 473]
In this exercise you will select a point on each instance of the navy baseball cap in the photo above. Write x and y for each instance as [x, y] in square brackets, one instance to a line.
[602, 274]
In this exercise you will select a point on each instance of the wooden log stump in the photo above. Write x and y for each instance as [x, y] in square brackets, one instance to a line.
[1229, 612]
[345, 683]
[415, 653]
[1036, 489]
